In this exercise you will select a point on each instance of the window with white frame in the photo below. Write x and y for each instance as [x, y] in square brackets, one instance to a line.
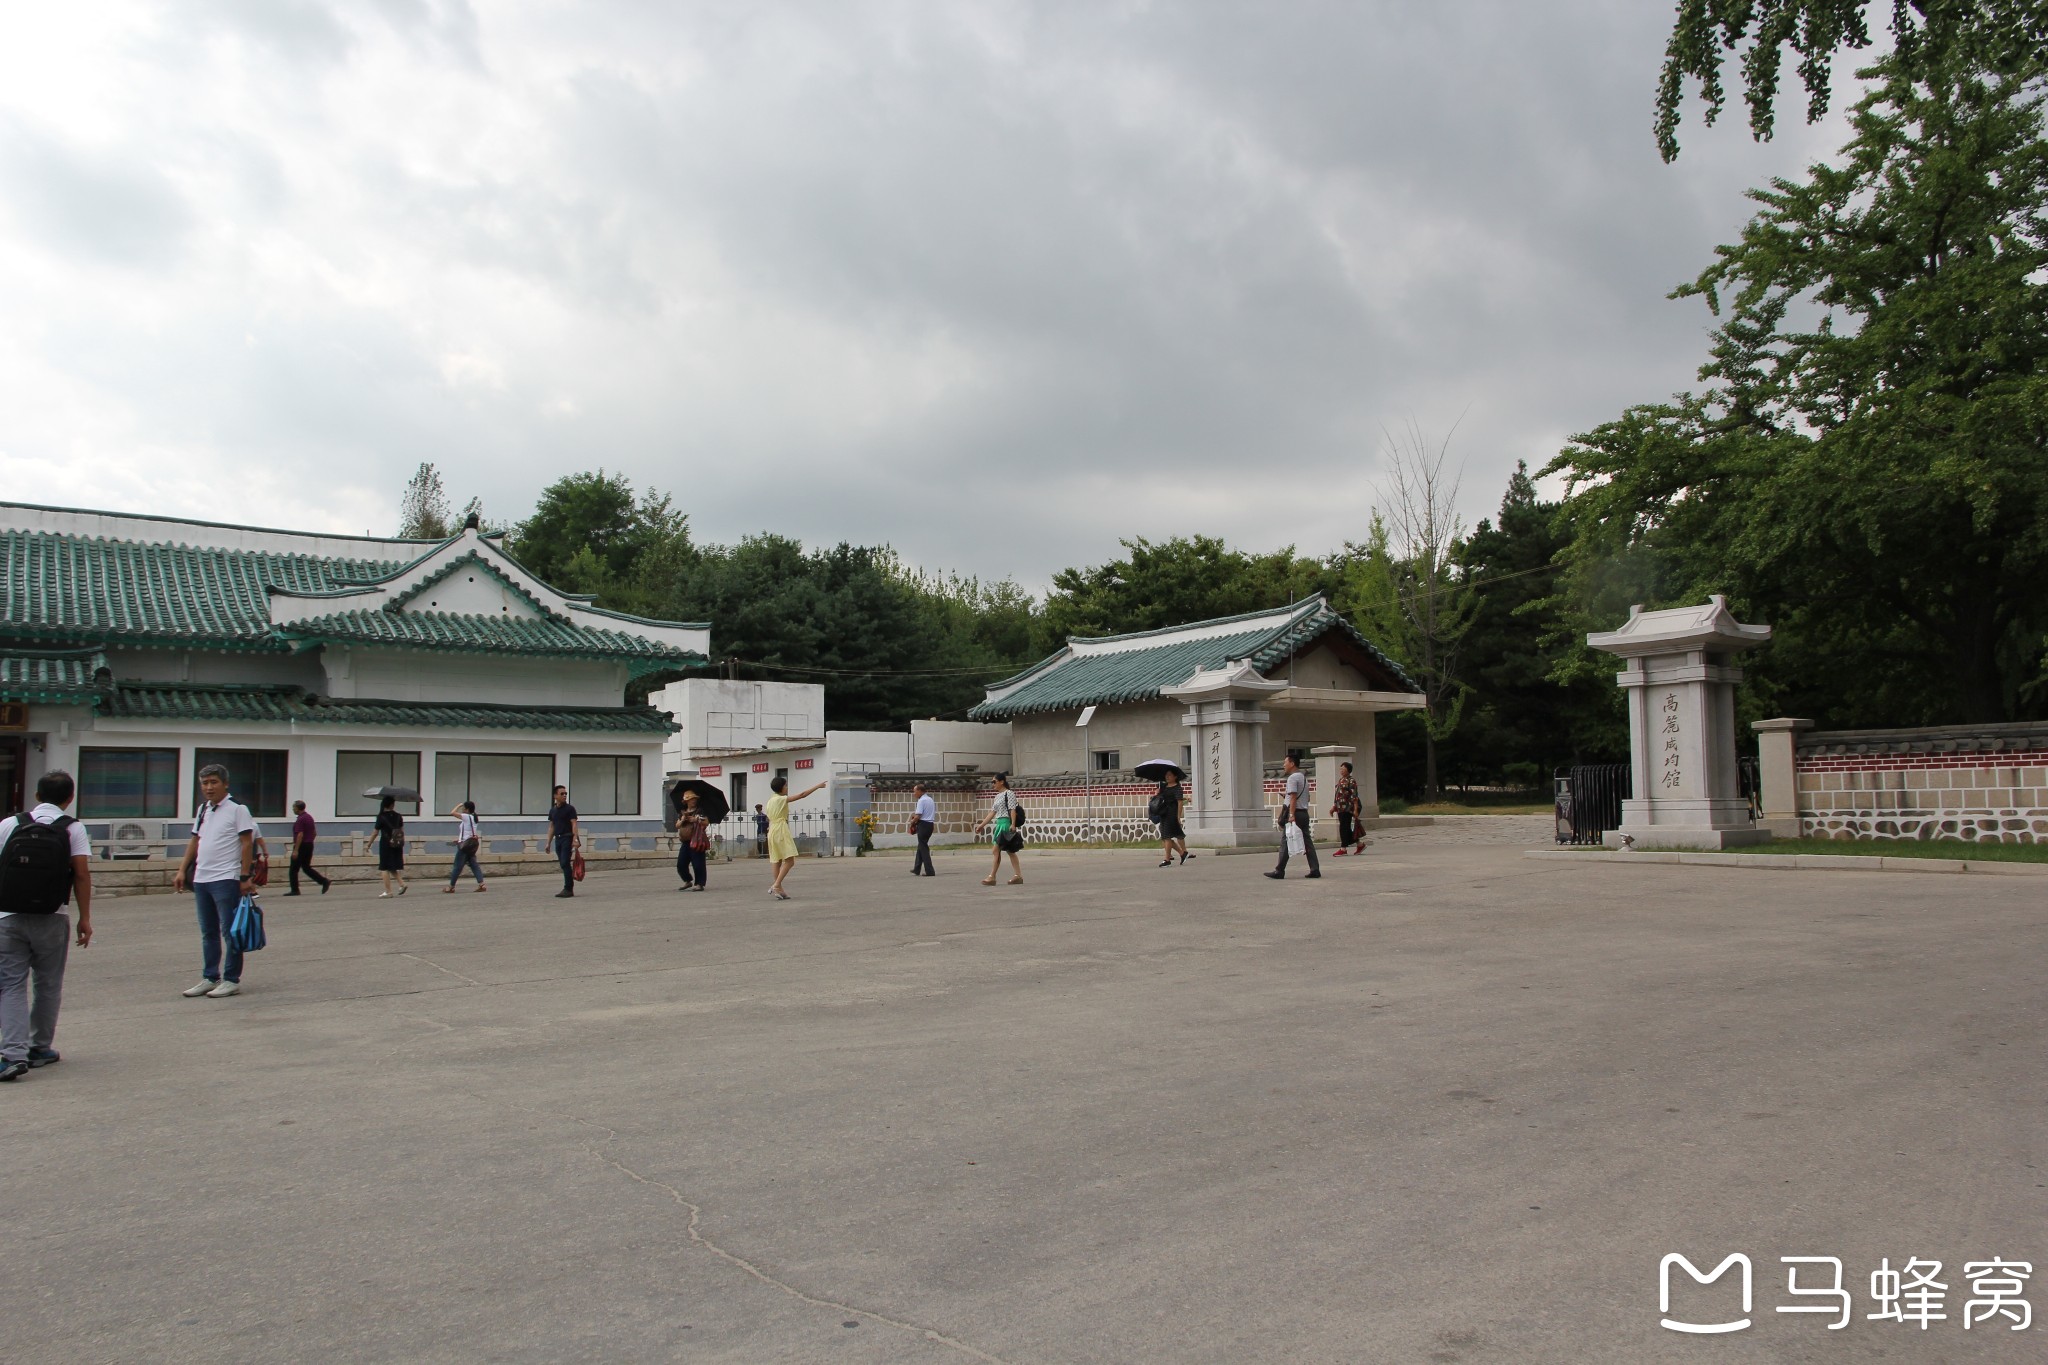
[358, 771]
[604, 784]
[500, 784]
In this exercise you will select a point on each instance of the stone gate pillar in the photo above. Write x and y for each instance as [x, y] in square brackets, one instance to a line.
[1327, 757]
[1227, 717]
[1680, 678]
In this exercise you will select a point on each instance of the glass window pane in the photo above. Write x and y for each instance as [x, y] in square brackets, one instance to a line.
[538, 790]
[494, 783]
[629, 785]
[127, 783]
[358, 772]
[256, 777]
[451, 781]
[593, 784]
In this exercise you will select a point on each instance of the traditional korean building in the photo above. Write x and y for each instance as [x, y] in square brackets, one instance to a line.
[1225, 699]
[136, 649]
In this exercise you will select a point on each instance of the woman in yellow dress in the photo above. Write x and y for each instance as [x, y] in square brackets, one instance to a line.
[781, 843]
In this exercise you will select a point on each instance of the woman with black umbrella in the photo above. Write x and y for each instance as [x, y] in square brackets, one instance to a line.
[1165, 807]
[693, 841]
[390, 847]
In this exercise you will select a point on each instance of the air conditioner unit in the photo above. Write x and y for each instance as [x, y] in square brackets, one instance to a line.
[129, 841]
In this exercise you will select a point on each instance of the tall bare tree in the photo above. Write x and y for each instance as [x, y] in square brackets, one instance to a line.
[1407, 583]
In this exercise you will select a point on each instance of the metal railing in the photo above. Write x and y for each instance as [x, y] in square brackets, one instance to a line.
[1589, 797]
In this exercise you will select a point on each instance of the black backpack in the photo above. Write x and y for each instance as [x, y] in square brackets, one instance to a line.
[35, 867]
[1155, 811]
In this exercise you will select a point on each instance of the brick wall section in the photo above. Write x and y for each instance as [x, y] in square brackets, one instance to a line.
[1947, 782]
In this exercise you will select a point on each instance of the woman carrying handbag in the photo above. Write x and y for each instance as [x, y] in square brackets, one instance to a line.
[468, 839]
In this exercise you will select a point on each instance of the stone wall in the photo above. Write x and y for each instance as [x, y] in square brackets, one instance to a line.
[1971, 783]
[1056, 807]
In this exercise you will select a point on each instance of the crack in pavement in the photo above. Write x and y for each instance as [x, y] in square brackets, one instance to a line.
[439, 968]
[739, 1262]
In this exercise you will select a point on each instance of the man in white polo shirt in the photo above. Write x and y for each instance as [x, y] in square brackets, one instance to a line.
[218, 860]
[48, 867]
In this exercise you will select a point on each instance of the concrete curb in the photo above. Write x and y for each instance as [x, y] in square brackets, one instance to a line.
[1797, 862]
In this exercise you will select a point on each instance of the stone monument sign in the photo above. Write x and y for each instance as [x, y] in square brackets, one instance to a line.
[1680, 677]
[1227, 714]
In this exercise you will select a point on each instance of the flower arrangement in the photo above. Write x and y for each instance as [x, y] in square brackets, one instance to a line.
[867, 820]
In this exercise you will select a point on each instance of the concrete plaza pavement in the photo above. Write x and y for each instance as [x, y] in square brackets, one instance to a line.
[1445, 1105]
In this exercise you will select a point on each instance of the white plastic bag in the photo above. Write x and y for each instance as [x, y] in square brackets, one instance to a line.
[1295, 844]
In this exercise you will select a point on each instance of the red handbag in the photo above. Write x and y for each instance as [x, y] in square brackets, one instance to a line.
[576, 865]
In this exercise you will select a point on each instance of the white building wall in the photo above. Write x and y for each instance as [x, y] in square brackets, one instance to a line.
[721, 716]
[419, 675]
[944, 746]
[472, 592]
[849, 751]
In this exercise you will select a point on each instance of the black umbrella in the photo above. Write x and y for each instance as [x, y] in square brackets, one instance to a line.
[395, 793]
[1156, 769]
[711, 802]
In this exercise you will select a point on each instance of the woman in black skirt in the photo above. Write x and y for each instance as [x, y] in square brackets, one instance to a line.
[391, 847]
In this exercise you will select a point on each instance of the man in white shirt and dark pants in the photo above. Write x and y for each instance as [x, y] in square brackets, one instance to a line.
[1294, 811]
[35, 933]
[218, 860]
[922, 824]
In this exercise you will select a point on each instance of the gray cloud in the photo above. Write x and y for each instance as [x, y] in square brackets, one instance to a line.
[994, 282]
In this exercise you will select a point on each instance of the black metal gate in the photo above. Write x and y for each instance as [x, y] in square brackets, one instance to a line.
[1589, 797]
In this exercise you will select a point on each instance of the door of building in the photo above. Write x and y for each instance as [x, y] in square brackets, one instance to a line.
[13, 769]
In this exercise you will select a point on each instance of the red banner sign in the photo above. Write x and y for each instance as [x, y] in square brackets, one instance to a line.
[805, 762]
[760, 767]
[711, 770]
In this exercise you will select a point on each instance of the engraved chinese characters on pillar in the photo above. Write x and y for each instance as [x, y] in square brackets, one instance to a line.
[1216, 764]
[1669, 729]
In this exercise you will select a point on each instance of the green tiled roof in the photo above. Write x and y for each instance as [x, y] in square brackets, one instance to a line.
[1067, 682]
[486, 634]
[88, 590]
[54, 677]
[189, 702]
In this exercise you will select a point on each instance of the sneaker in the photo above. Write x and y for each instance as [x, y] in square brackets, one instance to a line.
[1167, 863]
[224, 990]
[43, 1056]
[564, 895]
[1340, 853]
[203, 988]
[1276, 876]
[13, 1071]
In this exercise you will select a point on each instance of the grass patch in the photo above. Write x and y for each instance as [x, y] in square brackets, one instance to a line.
[1908, 848]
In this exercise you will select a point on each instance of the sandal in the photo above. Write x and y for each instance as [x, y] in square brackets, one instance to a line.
[1016, 881]
[988, 881]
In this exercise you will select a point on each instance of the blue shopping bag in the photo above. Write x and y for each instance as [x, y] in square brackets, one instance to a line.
[245, 931]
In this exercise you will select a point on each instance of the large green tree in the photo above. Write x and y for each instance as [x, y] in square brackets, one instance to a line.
[2001, 35]
[1866, 467]
[589, 533]
[1171, 582]
[888, 647]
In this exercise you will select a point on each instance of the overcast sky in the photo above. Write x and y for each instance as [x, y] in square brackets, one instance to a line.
[997, 283]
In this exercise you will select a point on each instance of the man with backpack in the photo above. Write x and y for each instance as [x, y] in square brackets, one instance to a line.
[45, 862]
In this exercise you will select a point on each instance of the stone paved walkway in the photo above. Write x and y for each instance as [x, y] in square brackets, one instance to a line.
[1447, 1105]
